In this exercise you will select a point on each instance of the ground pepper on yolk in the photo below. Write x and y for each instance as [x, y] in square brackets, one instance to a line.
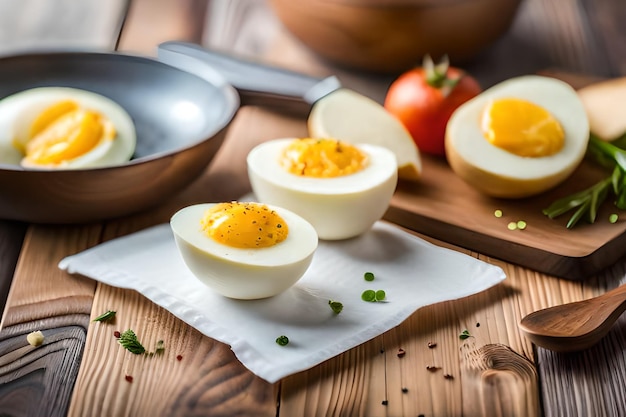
[322, 158]
[244, 225]
[522, 128]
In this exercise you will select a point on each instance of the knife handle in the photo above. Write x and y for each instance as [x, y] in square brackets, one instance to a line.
[256, 82]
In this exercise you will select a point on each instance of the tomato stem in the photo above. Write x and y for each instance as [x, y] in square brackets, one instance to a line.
[437, 75]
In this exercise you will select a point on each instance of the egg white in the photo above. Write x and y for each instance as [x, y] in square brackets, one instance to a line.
[339, 207]
[500, 173]
[300, 242]
[244, 273]
[18, 111]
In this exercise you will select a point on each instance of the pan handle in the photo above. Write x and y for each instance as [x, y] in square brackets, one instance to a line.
[256, 82]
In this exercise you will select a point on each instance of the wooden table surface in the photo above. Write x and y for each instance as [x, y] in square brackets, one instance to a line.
[80, 370]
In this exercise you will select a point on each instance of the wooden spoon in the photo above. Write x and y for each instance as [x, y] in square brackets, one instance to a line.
[575, 326]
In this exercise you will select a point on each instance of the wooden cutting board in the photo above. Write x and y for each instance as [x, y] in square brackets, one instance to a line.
[443, 206]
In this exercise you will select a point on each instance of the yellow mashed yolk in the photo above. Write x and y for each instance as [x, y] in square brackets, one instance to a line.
[64, 131]
[322, 158]
[244, 225]
[522, 128]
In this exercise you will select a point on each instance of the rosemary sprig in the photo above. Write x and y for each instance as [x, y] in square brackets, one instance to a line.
[588, 201]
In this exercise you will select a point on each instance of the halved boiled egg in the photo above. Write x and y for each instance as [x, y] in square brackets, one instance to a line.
[244, 250]
[340, 188]
[64, 128]
[518, 138]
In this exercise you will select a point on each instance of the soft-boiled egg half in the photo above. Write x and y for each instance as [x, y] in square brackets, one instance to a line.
[64, 128]
[340, 188]
[518, 138]
[244, 250]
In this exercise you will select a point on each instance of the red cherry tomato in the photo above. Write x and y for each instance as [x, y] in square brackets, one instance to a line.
[424, 98]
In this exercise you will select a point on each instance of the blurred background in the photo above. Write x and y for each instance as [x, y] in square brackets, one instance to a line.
[366, 43]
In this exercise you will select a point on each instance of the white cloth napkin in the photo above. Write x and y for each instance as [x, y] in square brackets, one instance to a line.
[412, 272]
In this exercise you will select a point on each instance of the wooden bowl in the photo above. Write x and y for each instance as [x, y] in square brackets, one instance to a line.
[391, 36]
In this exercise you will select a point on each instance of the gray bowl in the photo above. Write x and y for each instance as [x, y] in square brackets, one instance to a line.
[172, 150]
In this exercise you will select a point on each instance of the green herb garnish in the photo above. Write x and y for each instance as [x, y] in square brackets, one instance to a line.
[108, 316]
[368, 276]
[129, 340]
[369, 296]
[158, 348]
[613, 218]
[464, 334]
[282, 340]
[336, 306]
[587, 202]
[372, 296]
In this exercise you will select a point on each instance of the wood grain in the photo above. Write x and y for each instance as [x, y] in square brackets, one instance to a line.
[11, 237]
[194, 375]
[588, 382]
[39, 381]
[499, 382]
[370, 380]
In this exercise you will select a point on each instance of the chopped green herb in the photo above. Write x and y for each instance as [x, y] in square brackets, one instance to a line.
[368, 276]
[129, 340]
[108, 316]
[464, 334]
[336, 306]
[512, 226]
[521, 224]
[372, 296]
[613, 218]
[158, 348]
[282, 340]
[369, 296]
[498, 213]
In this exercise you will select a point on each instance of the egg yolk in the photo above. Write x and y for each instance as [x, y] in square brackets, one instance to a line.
[244, 225]
[522, 128]
[64, 131]
[322, 158]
